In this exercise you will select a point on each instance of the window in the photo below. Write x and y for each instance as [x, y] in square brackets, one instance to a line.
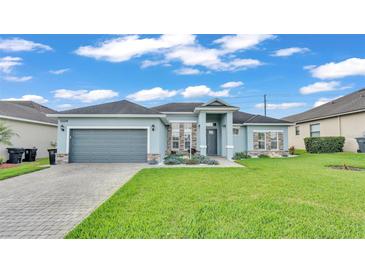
[297, 130]
[315, 130]
[236, 131]
[261, 140]
[274, 140]
[175, 133]
[187, 136]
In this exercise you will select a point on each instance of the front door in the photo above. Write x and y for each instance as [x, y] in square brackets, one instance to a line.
[211, 141]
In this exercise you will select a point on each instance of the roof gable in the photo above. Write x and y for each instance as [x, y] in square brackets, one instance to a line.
[216, 103]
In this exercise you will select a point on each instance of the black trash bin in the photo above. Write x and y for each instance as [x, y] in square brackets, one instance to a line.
[30, 154]
[15, 155]
[52, 156]
[361, 143]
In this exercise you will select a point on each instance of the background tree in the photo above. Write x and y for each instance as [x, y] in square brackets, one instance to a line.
[5, 134]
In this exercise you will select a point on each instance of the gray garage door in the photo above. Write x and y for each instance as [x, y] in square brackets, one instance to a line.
[108, 146]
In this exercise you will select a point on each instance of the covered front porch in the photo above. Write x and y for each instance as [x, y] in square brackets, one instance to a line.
[215, 129]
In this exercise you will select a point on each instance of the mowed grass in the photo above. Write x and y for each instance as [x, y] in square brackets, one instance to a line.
[23, 168]
[270, 198]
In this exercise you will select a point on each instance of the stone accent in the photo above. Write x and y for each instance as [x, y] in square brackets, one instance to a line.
[61, 158]
[272, 153]
[153, 157]
[194, 136]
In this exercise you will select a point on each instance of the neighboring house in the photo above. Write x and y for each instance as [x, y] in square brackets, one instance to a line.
[29, 121]
[344, 116]
[127, 132]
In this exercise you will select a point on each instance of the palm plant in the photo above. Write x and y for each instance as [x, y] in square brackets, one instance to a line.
[5, 134]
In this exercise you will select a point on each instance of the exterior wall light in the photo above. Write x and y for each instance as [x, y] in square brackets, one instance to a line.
[153, 127]
[62, 128]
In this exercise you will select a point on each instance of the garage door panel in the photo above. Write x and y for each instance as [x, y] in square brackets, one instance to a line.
[108, 145]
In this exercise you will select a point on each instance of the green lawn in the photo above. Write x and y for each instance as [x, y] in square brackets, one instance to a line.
[23, 168]
[270, 198]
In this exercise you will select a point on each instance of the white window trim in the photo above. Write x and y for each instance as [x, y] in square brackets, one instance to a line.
[190, 133]
[234, 129]
[68, 129]
[172, 139]
[277, 142]
[264, 141]
[310, 129]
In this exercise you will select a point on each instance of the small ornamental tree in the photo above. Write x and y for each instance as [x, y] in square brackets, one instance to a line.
[5, 134]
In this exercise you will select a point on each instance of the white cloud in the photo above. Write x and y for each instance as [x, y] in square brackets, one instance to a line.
[281, 105]
[197, 56]
[232, 84]
[17, 79]
[349, 67]
[29, 97]
[203, 90]
[151, 94]
[126, 47]
[289, 51]
[64, 106]
[59, 71]
[324, 100]
[187, 71]
[153, 63]
[86, 96]
[231, 43]
[244, 64]
[17, 44]
[8, 63]
[322, 86]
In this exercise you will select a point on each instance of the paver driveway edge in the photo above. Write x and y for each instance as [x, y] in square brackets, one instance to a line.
[50, 202]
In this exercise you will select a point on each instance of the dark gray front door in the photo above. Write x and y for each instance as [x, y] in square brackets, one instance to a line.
[108, 146]
[211, 142]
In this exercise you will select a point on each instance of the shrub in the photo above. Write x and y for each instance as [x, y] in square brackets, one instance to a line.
[1, 160]
[264, 156]
[212, 162]
[292, 150]
[324, 144]
[241, 155]
[173, 159]
[191, 161]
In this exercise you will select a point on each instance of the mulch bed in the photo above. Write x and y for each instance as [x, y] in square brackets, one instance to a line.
[346, 167]
[5, 165]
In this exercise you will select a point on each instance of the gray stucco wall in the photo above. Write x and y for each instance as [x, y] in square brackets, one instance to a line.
[30, 135]
[250, 130]
[157, 137]
[240, 140]
[182, 117]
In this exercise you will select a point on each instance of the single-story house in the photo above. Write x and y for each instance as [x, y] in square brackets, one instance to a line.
[344, 116]
[32, 127]
[127, 132]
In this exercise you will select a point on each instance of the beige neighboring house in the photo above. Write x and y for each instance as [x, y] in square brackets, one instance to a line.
[34, 129]
[344, 116]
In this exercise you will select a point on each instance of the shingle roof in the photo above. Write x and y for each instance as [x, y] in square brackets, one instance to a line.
[27, 110]
[243, 117]
[177, 107]
[119, 107]
[354, 101]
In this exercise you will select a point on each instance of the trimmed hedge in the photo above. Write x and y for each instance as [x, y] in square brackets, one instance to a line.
[324, 144]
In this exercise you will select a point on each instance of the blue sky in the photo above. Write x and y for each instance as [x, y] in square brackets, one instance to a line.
[295, 71]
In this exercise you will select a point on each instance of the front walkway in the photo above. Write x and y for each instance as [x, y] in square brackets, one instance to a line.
[49, 203]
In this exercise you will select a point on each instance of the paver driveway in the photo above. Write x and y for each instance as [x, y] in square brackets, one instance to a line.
[49, 203]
